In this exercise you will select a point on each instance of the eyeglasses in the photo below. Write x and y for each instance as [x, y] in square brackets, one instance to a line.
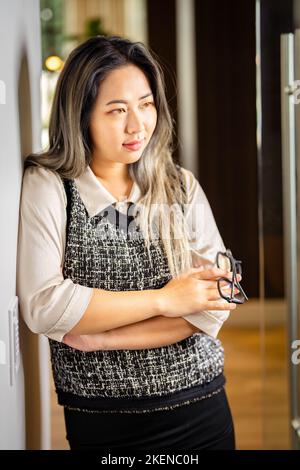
[225, 260]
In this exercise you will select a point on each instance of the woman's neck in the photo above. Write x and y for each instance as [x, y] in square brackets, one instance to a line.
[115, 173]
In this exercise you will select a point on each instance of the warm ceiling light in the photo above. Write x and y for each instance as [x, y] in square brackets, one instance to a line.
[53, 63]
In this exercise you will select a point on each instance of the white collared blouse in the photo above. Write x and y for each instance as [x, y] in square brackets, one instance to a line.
[52, 305]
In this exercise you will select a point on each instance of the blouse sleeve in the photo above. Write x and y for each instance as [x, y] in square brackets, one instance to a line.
[49, 304]
[205, 242]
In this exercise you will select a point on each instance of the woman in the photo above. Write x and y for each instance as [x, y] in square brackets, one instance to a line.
[124, 287]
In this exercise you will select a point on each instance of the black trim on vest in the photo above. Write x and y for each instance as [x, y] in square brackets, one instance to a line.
[141, 403]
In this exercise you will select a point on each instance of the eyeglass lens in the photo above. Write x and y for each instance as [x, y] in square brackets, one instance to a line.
[226, 261]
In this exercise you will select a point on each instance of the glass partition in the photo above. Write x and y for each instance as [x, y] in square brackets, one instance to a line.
[277, 126]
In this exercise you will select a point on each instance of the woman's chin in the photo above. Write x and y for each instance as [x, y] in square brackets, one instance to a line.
[132, 157]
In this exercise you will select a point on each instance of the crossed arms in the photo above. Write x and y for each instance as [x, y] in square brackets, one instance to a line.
[150, 333]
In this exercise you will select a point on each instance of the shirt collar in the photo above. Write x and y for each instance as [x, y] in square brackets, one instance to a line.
[96, 197]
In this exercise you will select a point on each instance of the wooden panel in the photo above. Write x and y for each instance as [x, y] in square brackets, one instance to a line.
[161, 18]
[226, 75]
[276, 19]
[77, 12]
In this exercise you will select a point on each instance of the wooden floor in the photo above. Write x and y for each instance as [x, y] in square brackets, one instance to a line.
[256, 389]
[257, 386]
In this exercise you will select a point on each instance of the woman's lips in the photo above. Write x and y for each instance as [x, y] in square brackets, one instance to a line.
[133, 147]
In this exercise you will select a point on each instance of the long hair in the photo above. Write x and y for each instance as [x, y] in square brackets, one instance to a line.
[70, 144]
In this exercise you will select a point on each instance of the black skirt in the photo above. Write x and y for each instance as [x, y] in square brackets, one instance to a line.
[206, 424]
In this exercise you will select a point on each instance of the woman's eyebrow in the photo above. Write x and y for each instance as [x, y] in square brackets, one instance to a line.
[124, 101]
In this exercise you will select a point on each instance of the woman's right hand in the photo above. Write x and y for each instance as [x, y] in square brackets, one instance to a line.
[194, 290]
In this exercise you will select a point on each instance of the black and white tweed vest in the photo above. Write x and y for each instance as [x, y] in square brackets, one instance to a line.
[101, 254]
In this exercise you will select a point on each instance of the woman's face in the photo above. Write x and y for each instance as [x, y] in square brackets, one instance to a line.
[124, 112]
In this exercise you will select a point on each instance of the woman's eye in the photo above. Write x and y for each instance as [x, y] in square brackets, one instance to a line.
[146, 105]
[117, 110]
[121, 110]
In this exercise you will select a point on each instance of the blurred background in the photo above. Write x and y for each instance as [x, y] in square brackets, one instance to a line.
[231, 72]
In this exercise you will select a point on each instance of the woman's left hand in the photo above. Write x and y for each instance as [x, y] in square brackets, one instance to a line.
[85, 343]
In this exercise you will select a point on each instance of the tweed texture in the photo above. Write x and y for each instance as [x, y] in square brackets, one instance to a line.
[102, 252]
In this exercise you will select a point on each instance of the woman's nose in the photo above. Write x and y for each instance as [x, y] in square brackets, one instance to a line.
[134, 123]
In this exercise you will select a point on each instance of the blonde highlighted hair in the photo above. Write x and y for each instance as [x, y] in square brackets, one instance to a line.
[70, 145]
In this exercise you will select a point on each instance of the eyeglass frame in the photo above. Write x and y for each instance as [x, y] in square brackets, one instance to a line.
[236, 266]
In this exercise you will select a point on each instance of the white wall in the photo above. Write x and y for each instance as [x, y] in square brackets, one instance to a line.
[20, 65]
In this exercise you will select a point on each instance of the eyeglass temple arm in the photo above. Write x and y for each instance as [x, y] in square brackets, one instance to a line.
[241, 289]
